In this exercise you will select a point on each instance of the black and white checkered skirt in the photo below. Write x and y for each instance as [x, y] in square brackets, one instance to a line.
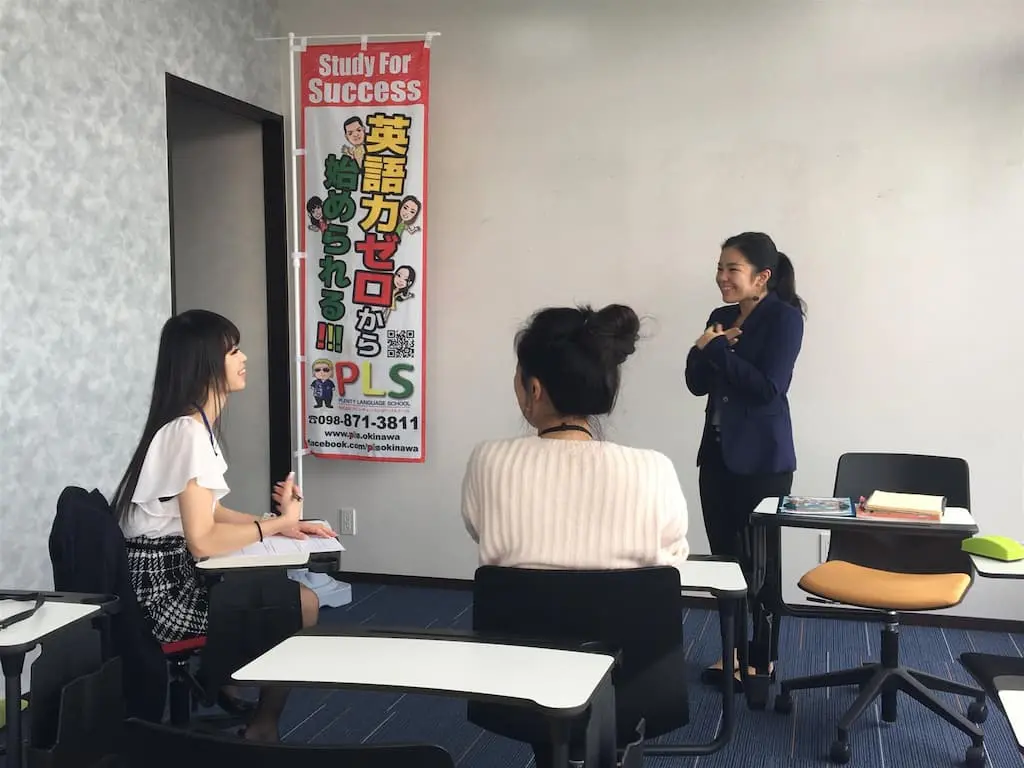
[163, 573]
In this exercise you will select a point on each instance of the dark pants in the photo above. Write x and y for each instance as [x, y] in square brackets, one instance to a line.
[727, 499]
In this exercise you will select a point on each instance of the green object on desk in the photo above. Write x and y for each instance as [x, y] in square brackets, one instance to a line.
[994, 547]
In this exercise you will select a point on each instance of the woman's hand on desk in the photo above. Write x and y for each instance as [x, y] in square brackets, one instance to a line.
[307, 528]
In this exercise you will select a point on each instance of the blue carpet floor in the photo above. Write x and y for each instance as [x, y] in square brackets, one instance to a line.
[917, 740]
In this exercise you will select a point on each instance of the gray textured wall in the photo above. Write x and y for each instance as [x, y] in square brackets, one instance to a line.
[84, 237]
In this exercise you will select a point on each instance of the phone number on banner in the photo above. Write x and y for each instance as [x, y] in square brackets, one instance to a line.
[368, 422]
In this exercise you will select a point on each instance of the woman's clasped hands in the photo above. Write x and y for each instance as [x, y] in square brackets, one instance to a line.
[714, 331]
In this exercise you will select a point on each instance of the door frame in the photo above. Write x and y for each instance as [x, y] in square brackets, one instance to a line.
[279, 364]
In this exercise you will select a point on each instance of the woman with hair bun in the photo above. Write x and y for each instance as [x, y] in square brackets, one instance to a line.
[562, 499]
[623, 506]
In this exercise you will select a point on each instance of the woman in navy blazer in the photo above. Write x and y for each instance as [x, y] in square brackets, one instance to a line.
[744, 363]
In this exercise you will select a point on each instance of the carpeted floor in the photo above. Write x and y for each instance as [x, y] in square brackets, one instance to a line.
[917, 740]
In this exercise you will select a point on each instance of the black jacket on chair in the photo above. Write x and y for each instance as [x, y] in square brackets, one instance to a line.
[87, 552]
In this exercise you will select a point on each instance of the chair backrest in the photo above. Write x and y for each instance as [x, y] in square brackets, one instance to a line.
[860, 474]
[147, 745]
[636, 613]
[87, 554]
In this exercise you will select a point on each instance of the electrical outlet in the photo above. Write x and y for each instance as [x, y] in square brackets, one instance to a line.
[347, 521]
[823, 542]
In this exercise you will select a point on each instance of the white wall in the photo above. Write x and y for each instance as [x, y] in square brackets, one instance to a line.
[84, 262]
[601, 151]
[220, 265]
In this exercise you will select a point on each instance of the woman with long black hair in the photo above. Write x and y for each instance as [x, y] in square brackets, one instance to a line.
[169, 501]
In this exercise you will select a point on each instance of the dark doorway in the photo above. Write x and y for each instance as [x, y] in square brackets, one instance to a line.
[229, 254]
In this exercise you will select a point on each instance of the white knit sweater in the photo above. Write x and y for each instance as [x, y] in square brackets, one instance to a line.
[540, 503]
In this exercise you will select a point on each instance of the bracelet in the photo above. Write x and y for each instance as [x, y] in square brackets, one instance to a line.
[259, 528]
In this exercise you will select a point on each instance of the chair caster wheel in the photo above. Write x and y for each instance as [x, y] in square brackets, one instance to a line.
[840, 752]
[976, 757]
[977, 712]
[784, 703]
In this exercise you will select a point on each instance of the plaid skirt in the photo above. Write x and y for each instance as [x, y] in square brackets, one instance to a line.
[163, 574]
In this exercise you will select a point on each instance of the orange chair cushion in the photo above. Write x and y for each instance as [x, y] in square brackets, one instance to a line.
[885, 590]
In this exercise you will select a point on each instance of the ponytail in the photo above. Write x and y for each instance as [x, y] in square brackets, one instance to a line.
[783, 282]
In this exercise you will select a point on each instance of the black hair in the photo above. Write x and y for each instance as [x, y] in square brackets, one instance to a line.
[189, 366]
[759, 249]
[351, 121]
[575, 354]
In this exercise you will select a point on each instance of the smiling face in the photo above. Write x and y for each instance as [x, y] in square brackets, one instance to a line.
[234, 369]
[355, 134]
[322, 371]
[410, 210]
[401, 278]
[737, 278]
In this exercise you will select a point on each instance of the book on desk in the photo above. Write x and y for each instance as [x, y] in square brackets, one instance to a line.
[915, 507]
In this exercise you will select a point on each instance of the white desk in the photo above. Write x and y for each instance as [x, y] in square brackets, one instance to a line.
[16, 641]
[51, 617]
[720, 578]
[998, 569]
[1011, 696]
[955, 519]
[276, 552]
[557, 684]
[554, 680]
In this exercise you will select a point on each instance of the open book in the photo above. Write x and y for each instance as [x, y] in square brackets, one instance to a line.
[903, 506]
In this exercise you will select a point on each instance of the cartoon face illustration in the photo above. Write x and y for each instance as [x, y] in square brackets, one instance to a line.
[404, 278]
[354, 131]
[322, 369]
[409, 211]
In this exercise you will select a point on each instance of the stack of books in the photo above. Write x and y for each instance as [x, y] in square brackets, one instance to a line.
[884, 505]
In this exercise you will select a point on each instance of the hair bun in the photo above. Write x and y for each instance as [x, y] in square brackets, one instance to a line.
[617, 327]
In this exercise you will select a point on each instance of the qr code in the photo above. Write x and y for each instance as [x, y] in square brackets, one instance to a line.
[401, 343]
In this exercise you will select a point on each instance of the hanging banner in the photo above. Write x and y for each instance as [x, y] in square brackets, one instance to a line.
[364, 118]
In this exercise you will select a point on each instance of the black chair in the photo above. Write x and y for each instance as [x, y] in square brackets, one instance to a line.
[148, 745]
[635, 614]
[87, 554]
[890, 572]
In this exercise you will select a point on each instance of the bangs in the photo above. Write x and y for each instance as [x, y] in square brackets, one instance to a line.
[230, 337]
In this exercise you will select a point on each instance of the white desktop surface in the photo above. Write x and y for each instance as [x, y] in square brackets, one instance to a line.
[952, 516]
[553, 679]
[273, 551]
[711, 575]
[1011, 695]
[986, 566]
[50, 617]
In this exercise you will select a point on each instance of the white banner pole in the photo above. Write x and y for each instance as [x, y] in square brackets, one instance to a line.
[298, 167]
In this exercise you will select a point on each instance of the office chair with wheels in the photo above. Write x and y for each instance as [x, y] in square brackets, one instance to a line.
[894, 572]
[149, 745]
[636, 614]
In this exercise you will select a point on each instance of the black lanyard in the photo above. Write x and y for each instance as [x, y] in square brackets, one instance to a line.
[22, 615]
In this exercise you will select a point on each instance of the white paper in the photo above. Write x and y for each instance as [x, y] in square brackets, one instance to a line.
[282, 545]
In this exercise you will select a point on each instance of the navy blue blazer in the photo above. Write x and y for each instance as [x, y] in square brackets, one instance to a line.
[748, 385]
